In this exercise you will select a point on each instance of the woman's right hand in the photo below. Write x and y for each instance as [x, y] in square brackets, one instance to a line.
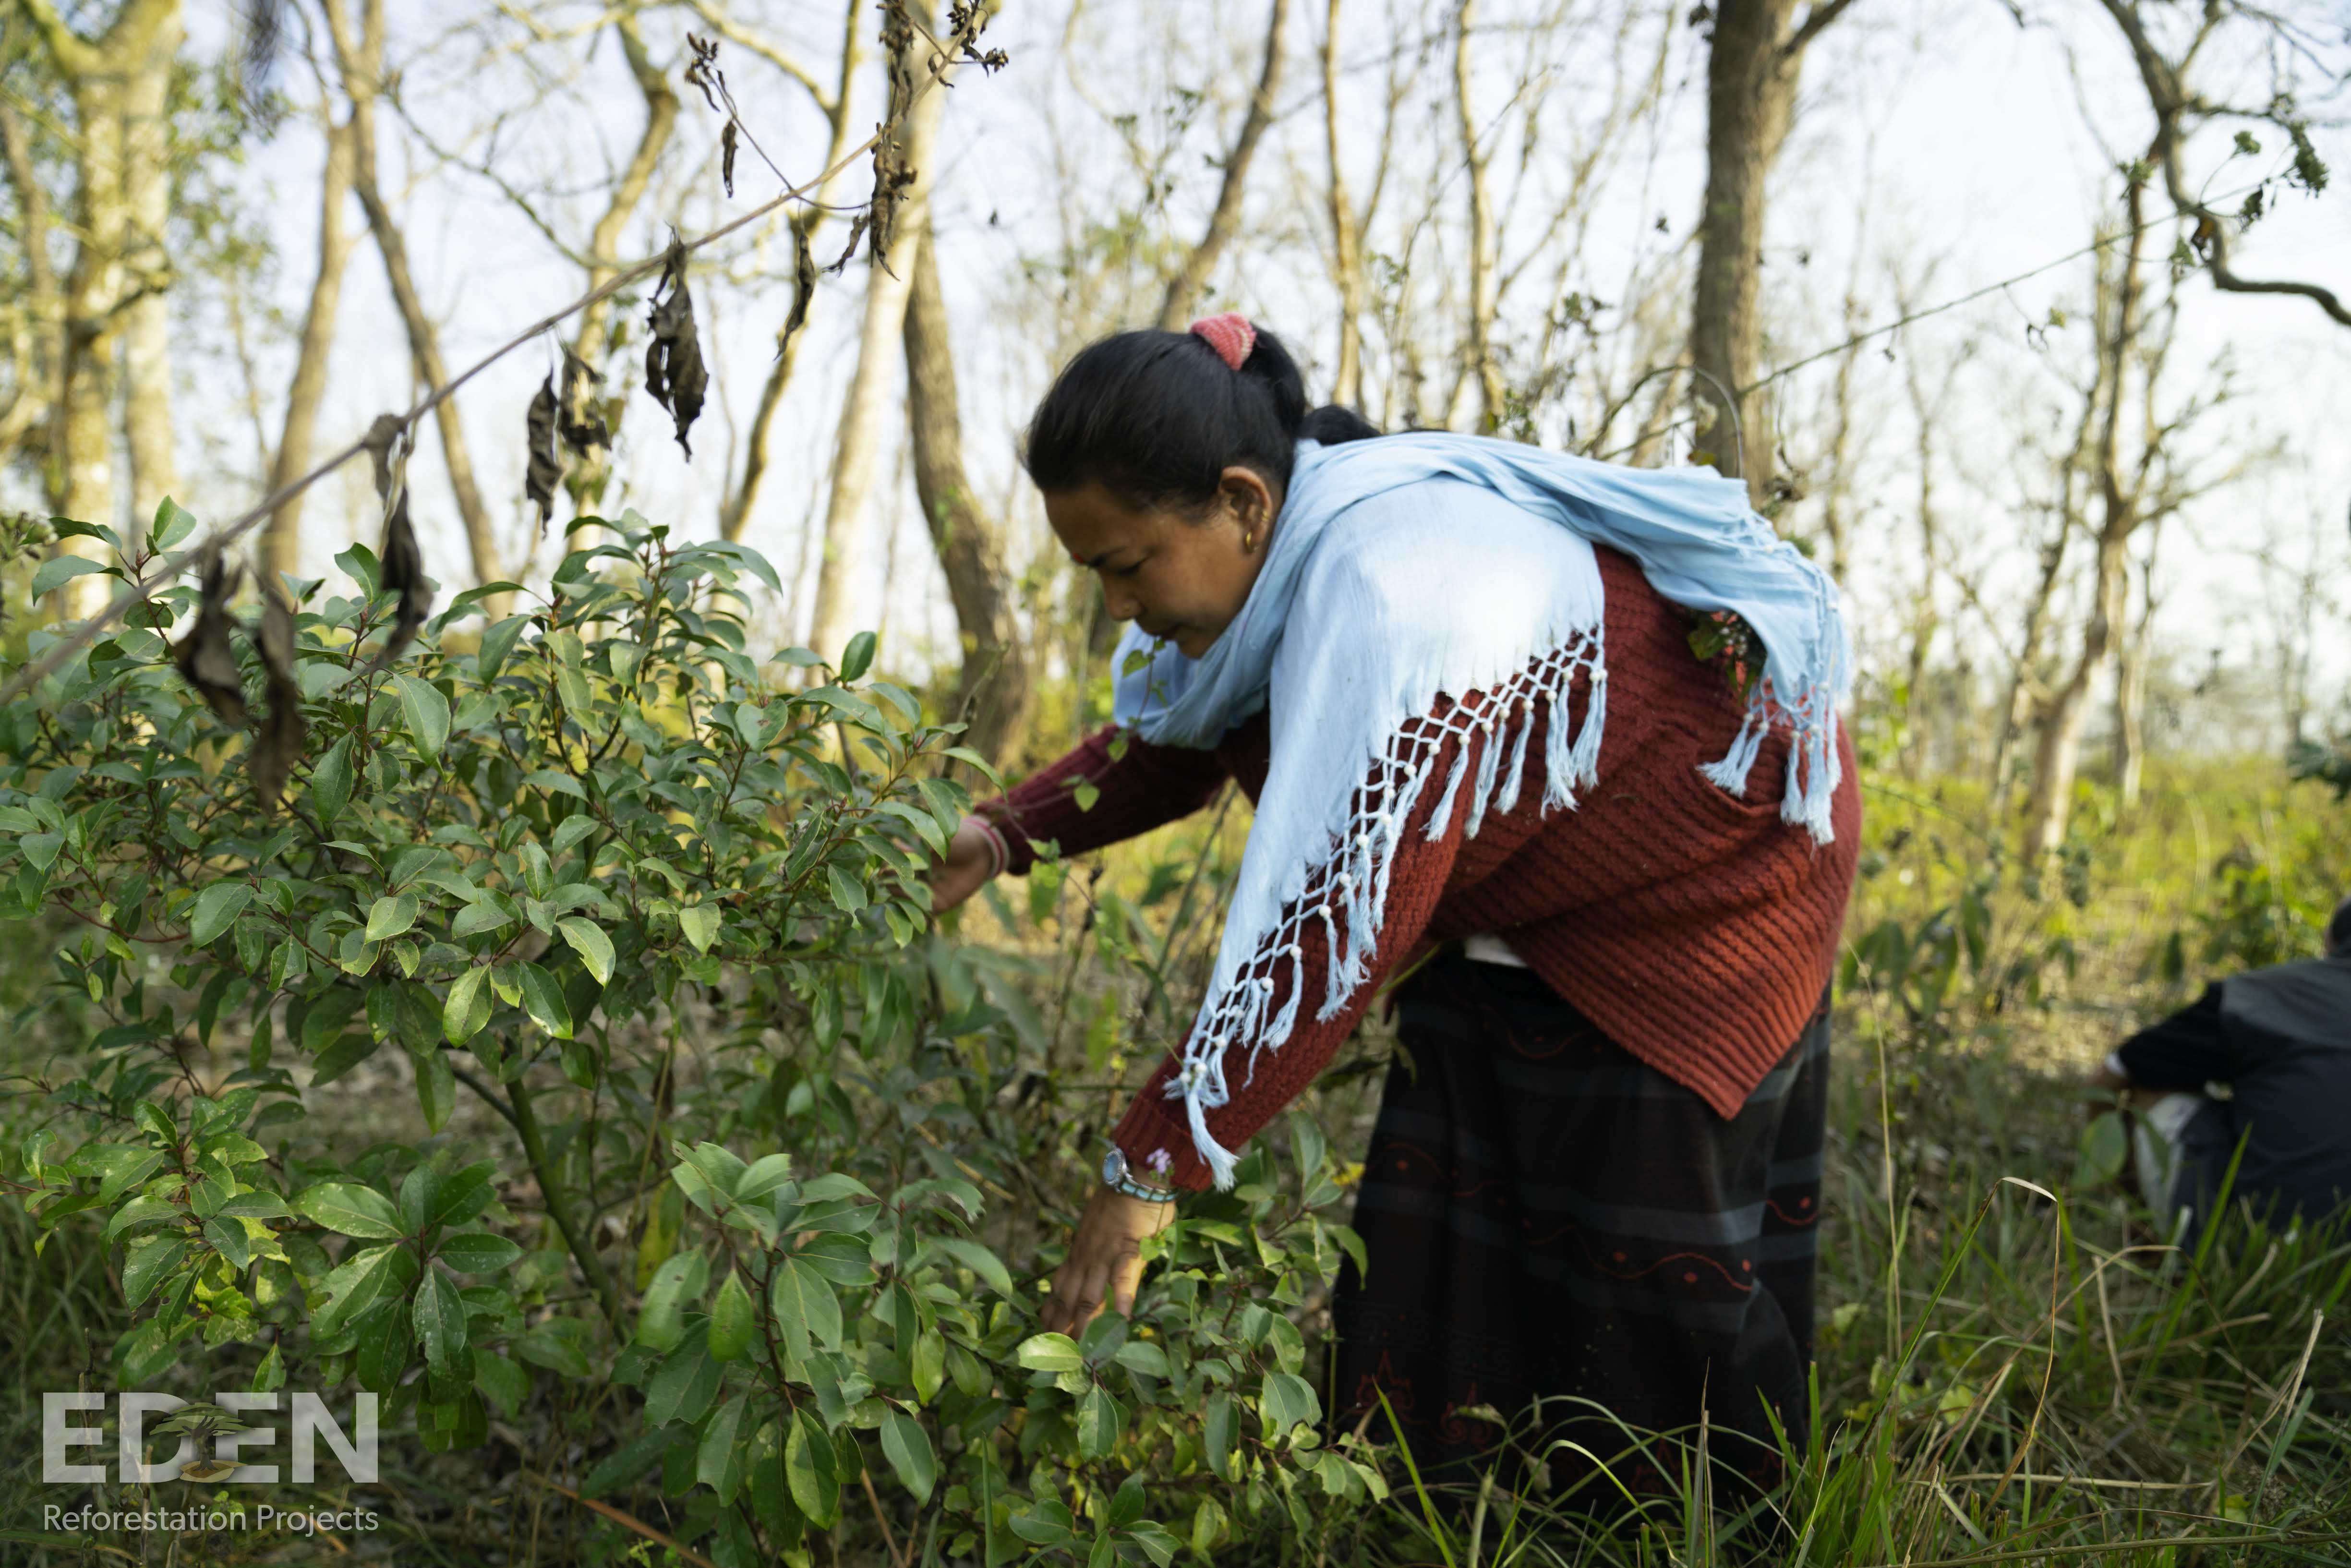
[964, 871]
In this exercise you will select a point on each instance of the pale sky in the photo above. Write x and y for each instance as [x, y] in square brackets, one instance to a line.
[1969, 140]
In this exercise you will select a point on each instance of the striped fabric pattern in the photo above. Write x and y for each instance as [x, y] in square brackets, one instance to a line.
[1547, 1217]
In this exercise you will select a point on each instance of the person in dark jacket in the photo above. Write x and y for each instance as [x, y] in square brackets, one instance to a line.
[2279, 1040]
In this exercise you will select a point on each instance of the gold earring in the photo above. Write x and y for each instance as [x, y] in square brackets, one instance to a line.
[1248, 542]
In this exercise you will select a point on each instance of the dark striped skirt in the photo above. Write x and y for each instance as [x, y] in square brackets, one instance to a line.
[1555, 1230]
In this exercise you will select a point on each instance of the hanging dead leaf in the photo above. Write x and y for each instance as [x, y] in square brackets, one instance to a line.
[893, 178]
[400, 560]
[675, 373]
[579, 420]
[856, 233]
[206, 660]
[277, 741]
[545, 470]
[703, 71]
[729, 140]
[803, 288]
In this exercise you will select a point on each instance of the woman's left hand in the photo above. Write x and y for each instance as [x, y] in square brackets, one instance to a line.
[1105, 1261]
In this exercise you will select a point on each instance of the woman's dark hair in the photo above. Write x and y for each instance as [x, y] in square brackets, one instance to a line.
[1155, 418]
[2338, 930]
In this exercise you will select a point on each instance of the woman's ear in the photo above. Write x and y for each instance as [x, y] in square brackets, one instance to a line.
[1252, 500]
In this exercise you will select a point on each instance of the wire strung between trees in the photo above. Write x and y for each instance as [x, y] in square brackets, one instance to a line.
[1901, 321]
[219, 539]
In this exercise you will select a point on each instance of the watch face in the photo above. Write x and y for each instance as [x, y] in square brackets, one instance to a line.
[1114, 1166]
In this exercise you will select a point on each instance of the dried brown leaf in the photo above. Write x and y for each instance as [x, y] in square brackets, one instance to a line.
[729, 140]
[803, 288]
[277, 740]
[545, 470]
[579, 420]
[206, 660]
[675, 373]
[400, 560]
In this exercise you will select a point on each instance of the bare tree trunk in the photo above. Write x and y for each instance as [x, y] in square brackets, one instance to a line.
[361, 62]
[2017, 711]
[994, 694]
[857, 449]
[33, 345]
[2120, 321]
[281, 543]
[119, 84]
[2130, 685]
[735, 513]
[1485, 260]
[592, 342]
[147, 335]
[1346, 237]
[1192, 276]
[1752, 71]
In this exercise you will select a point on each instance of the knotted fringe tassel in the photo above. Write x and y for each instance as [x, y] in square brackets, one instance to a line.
[1730, 773]
[1507, 801]
[1489, 765]
[1442, 817]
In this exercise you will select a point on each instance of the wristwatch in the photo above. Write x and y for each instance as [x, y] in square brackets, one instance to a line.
[1120, 1176]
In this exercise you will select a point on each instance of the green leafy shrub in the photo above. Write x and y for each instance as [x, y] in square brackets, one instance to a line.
[767, 1139]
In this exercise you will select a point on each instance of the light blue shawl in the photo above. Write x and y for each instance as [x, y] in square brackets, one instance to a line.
[1431, 564]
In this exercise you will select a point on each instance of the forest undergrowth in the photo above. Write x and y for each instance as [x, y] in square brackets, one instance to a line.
[2013, 1364]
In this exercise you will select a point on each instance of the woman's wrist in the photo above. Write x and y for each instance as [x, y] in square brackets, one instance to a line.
[1121, 1176]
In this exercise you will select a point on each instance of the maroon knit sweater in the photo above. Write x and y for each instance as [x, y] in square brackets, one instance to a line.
[1698, 929]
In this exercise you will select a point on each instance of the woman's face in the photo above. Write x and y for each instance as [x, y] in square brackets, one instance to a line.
[1174, 574]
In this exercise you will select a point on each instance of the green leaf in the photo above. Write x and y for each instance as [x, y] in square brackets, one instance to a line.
[173, 523]
[330, 782]
[908, 1449]
[217, 908]
[477, 1252]
[848, 893]
[554, 1345]
[440, 1319]
[807, 1471]
[700, 925]
[724, 1455]
[1288, 1400]
[498, 643]
[1050, 1353]
[357, 1284]
[1218, 1431]
[587, 940]
[390, 916]
[468, 1005]
[731, 1318]
[2105, 1150]
[804, 1305]
[342, 1056]
[436, 1088]
[977, 1258]
[617, 1469]
[684, 1386]
[499, 1380]
[661, 1323]
[349, 1209]
[426, 711]
[147, 1262]
[543, 999]
[858, 658]
[140, 1212]
[62, 569]
[1099, 1420]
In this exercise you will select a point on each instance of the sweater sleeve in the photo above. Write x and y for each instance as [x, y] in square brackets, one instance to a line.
[1155, 1134]
[1141, 787]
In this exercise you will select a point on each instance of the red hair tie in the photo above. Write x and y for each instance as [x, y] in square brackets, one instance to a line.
[1230, 334]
